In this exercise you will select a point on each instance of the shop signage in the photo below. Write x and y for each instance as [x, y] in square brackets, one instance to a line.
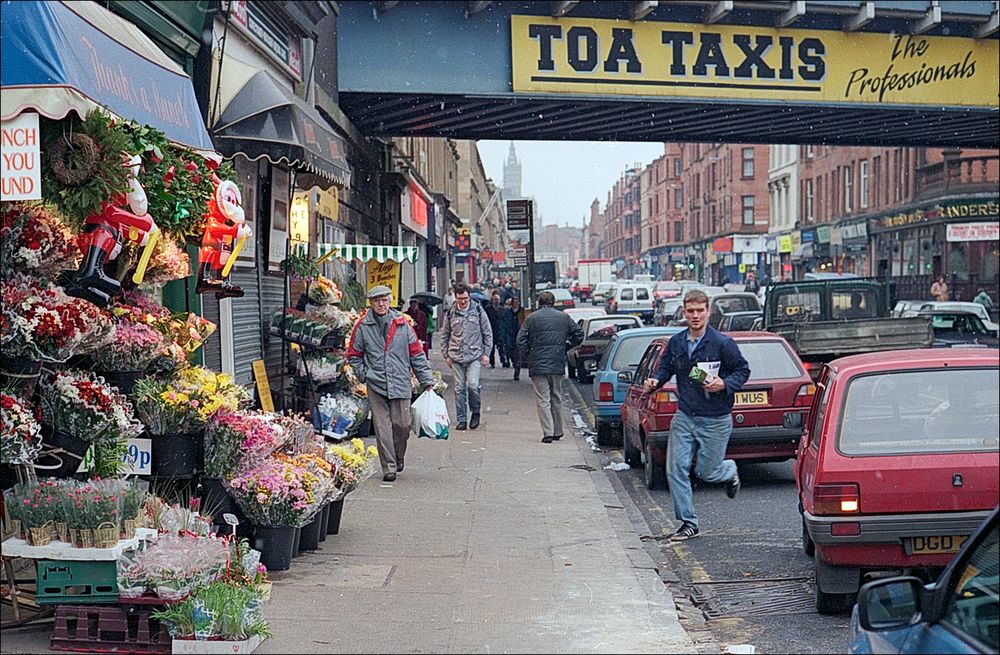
[413, 211]
[137, 458]
[808, 236]
[771, 244]
[939, 211]
[263, 385]
[276, 40]
[499, 258]
[384, 273]
[722, 244]
[20, 168]
[519, 214]
[785, 243]
[748, 243]
[854, 230]
[836, 236]
[463, 242]
[649, 58]
[973, 231]
[796, 240]
[823, 234]
[328, 203]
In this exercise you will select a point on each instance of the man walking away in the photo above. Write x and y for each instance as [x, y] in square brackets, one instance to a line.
[543, 341]
[510, 323]
[494, 312]
[705, 407]
[382, 350]
[466, 338]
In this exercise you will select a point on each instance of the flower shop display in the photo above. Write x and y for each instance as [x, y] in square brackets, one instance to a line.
[339, 413]
[218, 611]
[34, 239]
[168, 262]
[20, 433]
[129, 353]
[322, 367]
[94, 514]
[172, 567]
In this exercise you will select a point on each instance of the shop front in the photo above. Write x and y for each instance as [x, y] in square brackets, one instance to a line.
[849, 247]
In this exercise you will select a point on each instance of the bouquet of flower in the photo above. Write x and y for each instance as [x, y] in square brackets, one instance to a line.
[324, 291]
[185, 402]
[188, 330]
[133, 348]
[42, 323]
[175, 565]
[244, 567]
[440, 386]
[83, 405]
[94, 513]
[354, 461]
[168, 262]
[219, 610]
[20, 433]
[234, 439]
[271, 493]
[323, 366]
[135, 306]
[33, 239]
[300, 436]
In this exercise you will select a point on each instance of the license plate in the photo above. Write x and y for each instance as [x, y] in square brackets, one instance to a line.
[937, 544]
[750, 398]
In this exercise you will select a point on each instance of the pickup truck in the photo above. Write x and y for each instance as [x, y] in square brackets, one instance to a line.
[827, 319]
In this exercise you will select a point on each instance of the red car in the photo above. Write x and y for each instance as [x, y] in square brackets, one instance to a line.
[768, 413]
[898, 465]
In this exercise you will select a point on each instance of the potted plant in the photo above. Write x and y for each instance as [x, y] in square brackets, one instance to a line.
[217, 612]
[232, 440]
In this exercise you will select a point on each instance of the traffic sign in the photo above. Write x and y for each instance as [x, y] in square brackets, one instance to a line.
[519, 214]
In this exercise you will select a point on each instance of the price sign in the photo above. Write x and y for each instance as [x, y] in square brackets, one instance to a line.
[137, 458]
[231, 519]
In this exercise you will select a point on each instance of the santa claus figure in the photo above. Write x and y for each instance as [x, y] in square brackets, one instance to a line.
[224, 236]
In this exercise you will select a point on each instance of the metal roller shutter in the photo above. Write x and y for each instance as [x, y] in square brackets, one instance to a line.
[213, 345]
[246, 325]
[272, 300]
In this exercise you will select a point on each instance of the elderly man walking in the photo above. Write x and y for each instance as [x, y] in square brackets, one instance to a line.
[382, 350]
[543, 340]
[467, 340]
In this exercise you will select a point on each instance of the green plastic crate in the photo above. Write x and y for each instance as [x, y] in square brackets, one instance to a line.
[65, 581]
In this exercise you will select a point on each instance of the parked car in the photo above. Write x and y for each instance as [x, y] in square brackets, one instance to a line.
[725, 303]
[972, 307]
[768, 412]
[665, 310]
[907, 308]
[597, 332]
[634, 298]
[740, 321]
[957, 613]
[621, 356]
[564, 299]
[958, 328]
[666, 289]
[578, 313]
[899, 464]
[601, 292]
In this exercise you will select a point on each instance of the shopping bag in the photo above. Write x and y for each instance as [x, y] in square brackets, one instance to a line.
[430, 416]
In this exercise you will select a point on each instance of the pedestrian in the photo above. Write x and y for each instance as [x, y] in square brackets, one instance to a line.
[466, 338]
[382, 350]
[449, 298]
[431, 326]
[494, 311]
[704, 417]
[510, 324]
[939, 290]
[983, 299]
[419, 321]
[543, 341]
[751, 282]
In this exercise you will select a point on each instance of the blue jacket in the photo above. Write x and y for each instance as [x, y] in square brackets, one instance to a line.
[714, 346]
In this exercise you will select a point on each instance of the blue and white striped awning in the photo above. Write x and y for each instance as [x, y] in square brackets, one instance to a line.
[380, 254]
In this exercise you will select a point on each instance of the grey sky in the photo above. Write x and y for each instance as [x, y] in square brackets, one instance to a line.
[566, 176]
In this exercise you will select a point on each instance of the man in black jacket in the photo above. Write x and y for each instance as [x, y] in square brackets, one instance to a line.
[543, 341]
[710, 369]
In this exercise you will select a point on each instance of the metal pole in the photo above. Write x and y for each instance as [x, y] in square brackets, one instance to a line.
[531, 256]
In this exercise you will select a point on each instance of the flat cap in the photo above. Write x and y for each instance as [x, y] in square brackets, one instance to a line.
[380, 290]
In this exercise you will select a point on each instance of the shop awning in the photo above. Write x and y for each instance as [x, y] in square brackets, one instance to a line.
[264, 119]
[60, 57]
[380, 254]
[804, 251]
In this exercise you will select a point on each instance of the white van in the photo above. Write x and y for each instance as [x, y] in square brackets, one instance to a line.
[634, 298]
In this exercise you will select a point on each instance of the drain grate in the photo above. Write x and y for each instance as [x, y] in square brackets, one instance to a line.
[719, 600]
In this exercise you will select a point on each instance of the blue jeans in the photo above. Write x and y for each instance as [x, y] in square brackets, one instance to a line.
[711, 433]
[466, 385]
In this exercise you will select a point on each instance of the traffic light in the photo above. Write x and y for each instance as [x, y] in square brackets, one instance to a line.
[691, 266]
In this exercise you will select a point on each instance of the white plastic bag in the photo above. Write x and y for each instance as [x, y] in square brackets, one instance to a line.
[430, 416]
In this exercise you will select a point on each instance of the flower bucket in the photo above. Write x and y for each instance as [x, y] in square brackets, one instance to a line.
[177, 455]
[21, 375]
[309, 534]
[296, 540]
[324, 519]
[62, 530]
[106, 535]
[124, 380]
[336, 512]
[275, 544]
[216, 501]
[84, 538]
[62, 453]
[41, 535]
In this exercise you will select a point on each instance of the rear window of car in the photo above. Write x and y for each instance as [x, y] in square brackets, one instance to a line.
[561, 294]
[770, 360]
[626, 294]
[642, 293]
[606, 328]
[929, 411]
[629, 352]
[797, 305]
[738, 304]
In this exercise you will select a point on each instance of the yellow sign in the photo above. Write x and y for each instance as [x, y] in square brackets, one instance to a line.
[612, 57]
[263, 386]
[328, 203]
[785, 243]
[386, 273]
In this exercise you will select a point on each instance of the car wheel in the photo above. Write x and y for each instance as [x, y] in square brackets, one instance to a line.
[581, 374]
[808, 547]
[632, 455]
[654, 472]
[833, 603]
[605, 434]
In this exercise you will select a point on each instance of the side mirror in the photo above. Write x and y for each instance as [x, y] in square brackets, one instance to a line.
[890, 604]
[792, 421]
[625, 376]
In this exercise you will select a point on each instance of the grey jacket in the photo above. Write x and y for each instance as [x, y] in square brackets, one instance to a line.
[466, 337]
[544, 339]
[384, 363]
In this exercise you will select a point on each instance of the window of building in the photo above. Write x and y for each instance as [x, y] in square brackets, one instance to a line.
[809, 151]
[678, 198]
[876, 181]
[863, 183]
[748, 210]
[809, 201]
[677, 167]
[678, 231]
[848, 188]
[747, 162]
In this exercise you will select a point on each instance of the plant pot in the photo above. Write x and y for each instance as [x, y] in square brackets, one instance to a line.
[124, 380]
[336, 512]
[296, 540]
[324, 519]
[40, 535]
[20, 375]
[216, 501]
[106, 535]
[84, 538]
[309, 534]
[275, 543]
[177, 455]
[62, 453]
[62, 530]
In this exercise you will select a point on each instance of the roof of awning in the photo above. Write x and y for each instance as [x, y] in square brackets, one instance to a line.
[264, 119]
[60, 57]
[380, 254]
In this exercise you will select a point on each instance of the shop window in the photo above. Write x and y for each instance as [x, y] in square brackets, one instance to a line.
[959, 262]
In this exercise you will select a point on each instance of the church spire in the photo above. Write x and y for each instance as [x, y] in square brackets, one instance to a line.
[512, 174]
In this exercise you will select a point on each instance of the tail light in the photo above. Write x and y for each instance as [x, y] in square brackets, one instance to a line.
[837, 498]
[587, 350]
[813, 369]
[805, 395]
[606, 391]
[666, 402]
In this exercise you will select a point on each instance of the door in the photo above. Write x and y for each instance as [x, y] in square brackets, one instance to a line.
[634, 398]
[808, 457]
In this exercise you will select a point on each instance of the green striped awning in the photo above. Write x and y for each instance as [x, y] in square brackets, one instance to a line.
[380, 254]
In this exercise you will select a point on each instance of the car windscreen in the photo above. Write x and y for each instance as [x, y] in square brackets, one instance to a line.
[769, 360]
[630, 351]
[929, 411]
[606, 328]
[742, 323]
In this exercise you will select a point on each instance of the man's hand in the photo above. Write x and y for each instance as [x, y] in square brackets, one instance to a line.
[650, 385]
[429, 387]
[716, 385]
[484, 360]
[447, 360]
